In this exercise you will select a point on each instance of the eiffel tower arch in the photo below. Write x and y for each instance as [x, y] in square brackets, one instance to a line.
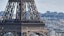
[21, 16]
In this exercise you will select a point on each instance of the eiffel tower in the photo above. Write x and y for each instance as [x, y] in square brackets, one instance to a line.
[23, 10]
[24, 17]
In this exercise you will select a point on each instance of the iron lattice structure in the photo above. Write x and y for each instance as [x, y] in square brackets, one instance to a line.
[21, 9]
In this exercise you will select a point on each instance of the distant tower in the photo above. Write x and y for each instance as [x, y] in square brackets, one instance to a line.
[21, 9]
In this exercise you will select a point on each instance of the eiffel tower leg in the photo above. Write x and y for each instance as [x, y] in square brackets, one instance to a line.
[23, 11]
[18, 10]
[10, 9]
[33, 11]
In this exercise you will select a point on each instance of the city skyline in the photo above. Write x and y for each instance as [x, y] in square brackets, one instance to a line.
[42, 5]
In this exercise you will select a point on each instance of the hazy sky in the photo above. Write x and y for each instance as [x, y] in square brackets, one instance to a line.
[3, 4]
[42, 5]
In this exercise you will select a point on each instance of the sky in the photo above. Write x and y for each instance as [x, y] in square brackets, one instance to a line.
[42, 5]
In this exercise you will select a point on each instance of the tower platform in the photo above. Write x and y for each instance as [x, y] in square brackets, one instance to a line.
[22, 27]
